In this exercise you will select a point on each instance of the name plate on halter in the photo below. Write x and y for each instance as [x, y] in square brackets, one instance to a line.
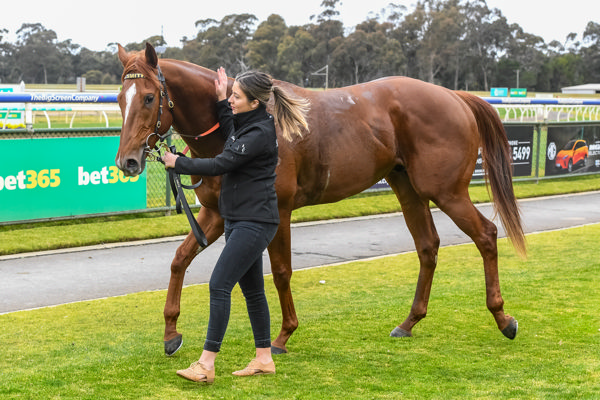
[60, 177]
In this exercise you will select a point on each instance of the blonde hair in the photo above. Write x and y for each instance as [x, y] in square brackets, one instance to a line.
[289, 112]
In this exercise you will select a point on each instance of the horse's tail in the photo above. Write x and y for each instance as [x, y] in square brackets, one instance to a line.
[497, 166]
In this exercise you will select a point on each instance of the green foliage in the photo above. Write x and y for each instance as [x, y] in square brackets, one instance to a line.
[93, 76]
[456, 44]
[112, 348]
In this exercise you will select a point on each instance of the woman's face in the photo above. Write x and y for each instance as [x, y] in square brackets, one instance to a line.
[239, 101]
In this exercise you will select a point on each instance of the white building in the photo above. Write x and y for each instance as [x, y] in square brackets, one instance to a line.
[590, 88]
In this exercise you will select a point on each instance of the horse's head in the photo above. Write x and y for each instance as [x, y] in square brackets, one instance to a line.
[144, 107]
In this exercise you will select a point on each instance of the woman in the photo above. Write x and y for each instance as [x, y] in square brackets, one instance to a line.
[248, 205]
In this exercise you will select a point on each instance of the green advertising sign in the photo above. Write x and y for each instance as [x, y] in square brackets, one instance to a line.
[11, 115]
[57, 177]
[518, 92]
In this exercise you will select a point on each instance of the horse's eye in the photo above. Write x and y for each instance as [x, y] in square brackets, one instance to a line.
[148, 99]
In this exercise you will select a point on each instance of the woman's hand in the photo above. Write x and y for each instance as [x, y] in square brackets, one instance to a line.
[169, 159]
[221, 84]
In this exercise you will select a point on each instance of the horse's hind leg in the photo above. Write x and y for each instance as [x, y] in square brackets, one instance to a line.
[420, 223]
[484, 234]
[212, 225]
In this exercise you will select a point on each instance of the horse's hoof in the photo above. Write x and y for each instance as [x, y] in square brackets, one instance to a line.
[399, 332]
[277, 350]
[511, 329]
[171, 346]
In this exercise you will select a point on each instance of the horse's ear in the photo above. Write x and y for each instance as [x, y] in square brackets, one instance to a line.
[123, 55]
[151, 57]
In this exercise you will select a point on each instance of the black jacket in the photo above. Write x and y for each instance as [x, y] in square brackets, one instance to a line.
[247, 163]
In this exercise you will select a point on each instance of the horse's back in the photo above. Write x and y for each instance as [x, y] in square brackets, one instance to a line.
[360, 133]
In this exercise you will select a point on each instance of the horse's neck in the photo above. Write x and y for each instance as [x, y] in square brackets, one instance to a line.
[194, 113]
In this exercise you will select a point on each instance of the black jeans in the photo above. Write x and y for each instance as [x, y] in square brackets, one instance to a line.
[240, 261]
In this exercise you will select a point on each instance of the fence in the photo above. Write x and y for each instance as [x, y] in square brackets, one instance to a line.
[70, 172]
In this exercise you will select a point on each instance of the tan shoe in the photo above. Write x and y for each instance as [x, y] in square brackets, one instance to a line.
[256, 368]
[197, 373]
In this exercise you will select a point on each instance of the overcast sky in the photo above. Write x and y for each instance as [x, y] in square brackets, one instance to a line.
[95, 24]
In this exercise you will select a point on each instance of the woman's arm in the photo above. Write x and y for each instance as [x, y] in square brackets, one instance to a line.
[234, 156]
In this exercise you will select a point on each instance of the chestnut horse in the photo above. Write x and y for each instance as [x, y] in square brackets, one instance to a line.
[421, 138]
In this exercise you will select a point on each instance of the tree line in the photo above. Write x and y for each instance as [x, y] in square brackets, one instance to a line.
[457, 44]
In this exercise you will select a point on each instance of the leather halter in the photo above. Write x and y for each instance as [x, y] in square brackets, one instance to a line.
[163, 93]
[154, 152]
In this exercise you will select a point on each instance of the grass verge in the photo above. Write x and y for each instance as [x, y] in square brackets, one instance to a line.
[112, 348]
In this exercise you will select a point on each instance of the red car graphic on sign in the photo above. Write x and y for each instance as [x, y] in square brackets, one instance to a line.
[573, 153]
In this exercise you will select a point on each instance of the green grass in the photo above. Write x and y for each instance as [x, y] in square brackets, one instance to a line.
[83, 232]
[112, 348]
[386, 202]
[79, 119]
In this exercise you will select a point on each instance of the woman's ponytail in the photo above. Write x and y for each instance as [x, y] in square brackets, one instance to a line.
[290, 113]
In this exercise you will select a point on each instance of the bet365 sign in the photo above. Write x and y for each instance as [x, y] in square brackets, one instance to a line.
[47, 178]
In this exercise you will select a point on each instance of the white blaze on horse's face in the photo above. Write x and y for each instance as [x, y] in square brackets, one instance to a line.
[130, 157]
[129, 95]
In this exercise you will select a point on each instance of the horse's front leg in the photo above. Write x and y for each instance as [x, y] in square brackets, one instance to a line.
[212, 224]
[280, 254]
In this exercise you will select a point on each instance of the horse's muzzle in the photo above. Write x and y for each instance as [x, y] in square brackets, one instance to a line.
[130, 166]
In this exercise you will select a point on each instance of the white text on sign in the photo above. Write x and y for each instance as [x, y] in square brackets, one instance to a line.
[106, 175]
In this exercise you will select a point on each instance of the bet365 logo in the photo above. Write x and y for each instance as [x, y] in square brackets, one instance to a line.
[31, 179]
[107, 175]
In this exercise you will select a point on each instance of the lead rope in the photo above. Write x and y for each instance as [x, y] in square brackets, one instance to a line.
[180, 200]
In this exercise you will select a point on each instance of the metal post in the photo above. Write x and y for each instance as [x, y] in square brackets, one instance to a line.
[326, 73]
[538, 128]
[28, 117]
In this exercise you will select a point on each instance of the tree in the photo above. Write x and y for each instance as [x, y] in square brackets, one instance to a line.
[591, 54]
[454, 43]
[37, 54]
[328, 34]
[367, 53]
[222, 43]
[7, 60]
[329, 11]
[262, 49]
[351, 58]
[87, 60]
[93, 77]
[441, 29]
[487, 35]
[157, 41]
[293, 55]
[407, 33]
[563, 70]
